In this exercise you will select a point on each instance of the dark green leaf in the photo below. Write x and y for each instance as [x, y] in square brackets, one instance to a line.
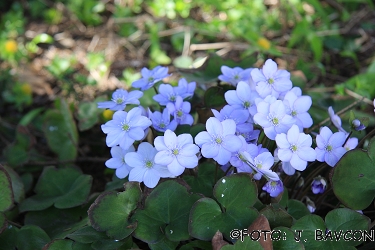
[166, 214]
[59, 245]
[65, 188]
[110, 211]
[31, 237]
[6, 194]
[288, 240]
[297, 209]
[352, 178]
[277, 217]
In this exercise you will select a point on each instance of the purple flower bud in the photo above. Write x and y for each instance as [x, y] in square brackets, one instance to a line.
[357, 125]
[274, 188]
[318, 185]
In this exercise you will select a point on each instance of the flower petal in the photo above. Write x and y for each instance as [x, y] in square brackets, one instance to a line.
[188, 161]
[163, 158]
[214, 126]
[175, 168]
[298, 163]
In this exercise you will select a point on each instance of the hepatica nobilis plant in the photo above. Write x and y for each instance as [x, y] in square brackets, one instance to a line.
[245, 159]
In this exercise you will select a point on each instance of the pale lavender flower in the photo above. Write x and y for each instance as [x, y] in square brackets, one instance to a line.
[336, 120]
[252, 135]
[262, 163]
[274, 188]
[120, 98]
[219, 141]
[185, 89]
[118, 161]
[180, 110]
[273, 118]
[311, 206]
[166, 95]
[242, 98]
[297, 107]
[296, 90]
[176, 152]
[295, 147]
[330, 146]
[234, 75]
[162, 121]
[351, 143]
[239, 116]
[144, 169]
[318, 185]
[125, 128]
[270, 80]
[239, 161]
[150, 77]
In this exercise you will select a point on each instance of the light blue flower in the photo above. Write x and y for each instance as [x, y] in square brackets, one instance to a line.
[297, 107]
[166, 95]
[242, 98]
[118, 161]
[234, 75]
[143, 166]
[176, 152]
[336, 120]
[330, 146]
[273, 118]
[351, 143]
[120, 98]
[318, 185]
[180, 110]
[295, 147]
[219, 141]
[150, 77]
[125, 128]
[270, 80]
[162, 121]
[239, 116]
[185, 89]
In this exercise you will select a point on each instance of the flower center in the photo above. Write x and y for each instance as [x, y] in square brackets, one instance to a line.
[246, 104]
[149, 164]
[241, 157]
[293, 148]
[218, 140]
[259, 165]
[329, 148]
[294, 113]
[162, 125]
[118, 100]
[151, 79]
[273, 184]
[125, 127]
[275, 121]
[172, 98]
[236, 77]
[175, 151]
[180, 113]
[270, 81]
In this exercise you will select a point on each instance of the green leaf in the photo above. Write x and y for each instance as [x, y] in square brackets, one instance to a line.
[6, 194]
[86, 234]
[214, 96]
[352, 178]
[110, 211]
[233, 209]
[287, 241]
[17, 185]
[164, 244]
[205, 181]
[59, 135]
[166, 214]
[88, 115]
[42, 38]
[31, 237]
[247, 243]
[345, 220]
[297, 209]
[337, 232]
[196, 244]
[64, 188]
[183, 62]
[277, 217]
[8, 238]
[3, 222]
[59, 244]
[58, 223]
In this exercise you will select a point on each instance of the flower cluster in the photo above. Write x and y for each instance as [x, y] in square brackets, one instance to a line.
[263, 101]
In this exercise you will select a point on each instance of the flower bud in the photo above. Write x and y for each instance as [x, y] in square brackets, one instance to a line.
[358, 125]
[318, 185]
